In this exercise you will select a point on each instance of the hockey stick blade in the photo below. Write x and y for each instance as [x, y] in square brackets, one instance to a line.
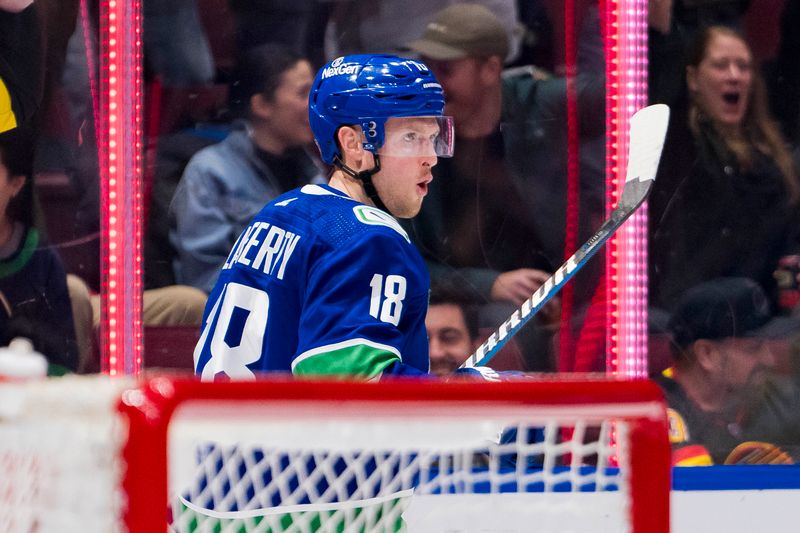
[648, 130]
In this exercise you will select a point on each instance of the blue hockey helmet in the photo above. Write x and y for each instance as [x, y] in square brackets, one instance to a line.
[366, 90]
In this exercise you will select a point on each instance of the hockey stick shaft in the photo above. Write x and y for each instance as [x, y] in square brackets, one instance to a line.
[648, 130]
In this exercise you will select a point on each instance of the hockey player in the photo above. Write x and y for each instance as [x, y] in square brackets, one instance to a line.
[324, 281]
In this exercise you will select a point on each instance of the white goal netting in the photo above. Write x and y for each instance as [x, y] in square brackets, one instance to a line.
[305, 456]
[60, 446]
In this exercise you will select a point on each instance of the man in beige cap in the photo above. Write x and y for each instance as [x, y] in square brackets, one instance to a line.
[385, 26]
[465, 45]
[493, 223]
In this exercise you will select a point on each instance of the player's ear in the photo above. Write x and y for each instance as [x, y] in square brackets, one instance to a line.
[349, 139]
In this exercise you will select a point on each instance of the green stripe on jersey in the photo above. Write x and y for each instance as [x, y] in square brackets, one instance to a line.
[357, 358]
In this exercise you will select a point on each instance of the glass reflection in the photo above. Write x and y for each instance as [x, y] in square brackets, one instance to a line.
[723, 234]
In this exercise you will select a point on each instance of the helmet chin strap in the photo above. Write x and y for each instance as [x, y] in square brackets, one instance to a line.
[365, 177]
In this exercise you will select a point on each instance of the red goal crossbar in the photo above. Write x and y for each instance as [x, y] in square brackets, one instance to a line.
[151, 409]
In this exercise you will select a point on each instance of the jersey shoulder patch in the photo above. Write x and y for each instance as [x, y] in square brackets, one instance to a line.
[373, 216]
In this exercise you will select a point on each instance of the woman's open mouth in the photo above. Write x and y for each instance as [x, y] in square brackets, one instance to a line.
[731, 97]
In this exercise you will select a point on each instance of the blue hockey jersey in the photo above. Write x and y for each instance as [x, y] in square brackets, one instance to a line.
[317, 284]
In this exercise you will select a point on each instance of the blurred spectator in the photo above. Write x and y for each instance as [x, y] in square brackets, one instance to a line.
[536, 45]
[177, 60]
[452, 325]
[721, 391]
[176, 86]
[493, 224]
[226, 184]
[33, 284]
[385, 26]
[58, 312]
[686, 17]
[725, 202]
[176, 46]
[283, 22]
[550, 18]
[674, 24]
[174, 305]
[20, 71]
[784, 74]
[14, 6]
[173, 153]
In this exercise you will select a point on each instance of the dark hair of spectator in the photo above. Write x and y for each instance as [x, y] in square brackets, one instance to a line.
[443, 296]
[16, 154]
[259, 72]
[760, 130]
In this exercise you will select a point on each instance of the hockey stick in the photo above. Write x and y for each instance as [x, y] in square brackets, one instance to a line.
[648, 129]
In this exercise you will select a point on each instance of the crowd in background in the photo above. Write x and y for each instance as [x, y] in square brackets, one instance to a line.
[226, 131]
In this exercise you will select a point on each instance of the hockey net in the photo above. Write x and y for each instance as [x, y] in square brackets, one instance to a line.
[281, 456]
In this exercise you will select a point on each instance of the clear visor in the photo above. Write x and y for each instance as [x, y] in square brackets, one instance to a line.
[418, 137]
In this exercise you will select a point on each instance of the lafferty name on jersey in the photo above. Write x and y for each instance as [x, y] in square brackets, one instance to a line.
[263, 247]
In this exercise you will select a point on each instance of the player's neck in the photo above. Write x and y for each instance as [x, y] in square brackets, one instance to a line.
[349, 186]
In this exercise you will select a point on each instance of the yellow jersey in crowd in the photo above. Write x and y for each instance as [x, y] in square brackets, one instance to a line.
[8, 120]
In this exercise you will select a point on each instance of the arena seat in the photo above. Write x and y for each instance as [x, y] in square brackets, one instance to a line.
[59, 201]
[170, 346]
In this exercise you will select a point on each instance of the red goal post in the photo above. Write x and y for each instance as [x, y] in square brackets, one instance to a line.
[593, 435]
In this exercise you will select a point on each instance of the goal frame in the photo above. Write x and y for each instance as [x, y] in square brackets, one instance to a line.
[149, 409]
